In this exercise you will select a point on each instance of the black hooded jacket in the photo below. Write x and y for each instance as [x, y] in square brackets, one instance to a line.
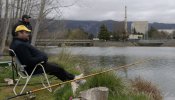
[27, 54]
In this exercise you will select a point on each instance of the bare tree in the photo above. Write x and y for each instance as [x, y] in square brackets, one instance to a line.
[45, 9]
[38, 9]
[0, 8]
[12, 11]
[39, 19]
[21, 6]
[6, 24]
[17, 8]
[0, 16]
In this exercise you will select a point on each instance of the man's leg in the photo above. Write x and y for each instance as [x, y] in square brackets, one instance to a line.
[56, 70]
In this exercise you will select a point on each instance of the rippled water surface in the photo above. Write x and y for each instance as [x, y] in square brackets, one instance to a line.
[160, 70]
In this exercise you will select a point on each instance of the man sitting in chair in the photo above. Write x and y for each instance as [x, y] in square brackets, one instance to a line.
[30, 56]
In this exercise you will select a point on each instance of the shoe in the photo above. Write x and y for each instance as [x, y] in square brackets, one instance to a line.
[30, 97]
[77, 83]
[82, 81]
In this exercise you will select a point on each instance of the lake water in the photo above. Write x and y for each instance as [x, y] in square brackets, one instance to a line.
[160, 70]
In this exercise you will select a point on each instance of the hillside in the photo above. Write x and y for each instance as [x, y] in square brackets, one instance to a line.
[92, 27]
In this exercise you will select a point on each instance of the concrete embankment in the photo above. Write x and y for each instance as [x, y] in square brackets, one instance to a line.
[169, 43]
[112, 43]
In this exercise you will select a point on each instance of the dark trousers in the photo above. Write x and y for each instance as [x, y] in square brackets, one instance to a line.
[56, 70]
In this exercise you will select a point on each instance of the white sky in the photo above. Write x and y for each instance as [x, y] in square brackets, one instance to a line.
[138, 10]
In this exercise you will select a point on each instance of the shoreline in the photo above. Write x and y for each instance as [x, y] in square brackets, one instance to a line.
[99, 43]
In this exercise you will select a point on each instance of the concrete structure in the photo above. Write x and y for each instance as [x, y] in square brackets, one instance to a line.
[139, 26]
[62, 42]
[118, 27]
[126, 25]
[135, 37]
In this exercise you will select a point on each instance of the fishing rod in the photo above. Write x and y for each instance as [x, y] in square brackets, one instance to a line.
[87, 76]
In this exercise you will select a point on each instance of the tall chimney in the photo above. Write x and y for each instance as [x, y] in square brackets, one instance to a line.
[126, 28]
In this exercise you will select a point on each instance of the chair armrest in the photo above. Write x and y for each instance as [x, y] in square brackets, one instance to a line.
[22, 68]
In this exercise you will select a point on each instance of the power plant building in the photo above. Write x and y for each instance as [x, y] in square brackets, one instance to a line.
[139, 27]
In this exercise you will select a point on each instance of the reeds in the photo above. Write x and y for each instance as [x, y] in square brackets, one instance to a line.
[143, 86]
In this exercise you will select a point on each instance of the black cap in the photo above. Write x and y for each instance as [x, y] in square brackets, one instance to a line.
[26, 16]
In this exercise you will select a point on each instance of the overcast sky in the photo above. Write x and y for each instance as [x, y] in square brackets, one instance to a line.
[137, 10]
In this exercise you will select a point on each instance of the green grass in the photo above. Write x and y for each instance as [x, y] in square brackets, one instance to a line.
[63, 93]
[5, 73]
[109, 80]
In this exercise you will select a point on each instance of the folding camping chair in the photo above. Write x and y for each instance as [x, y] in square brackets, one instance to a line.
[20, 70]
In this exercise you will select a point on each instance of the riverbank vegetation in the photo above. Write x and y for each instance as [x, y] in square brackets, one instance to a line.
[119, 88]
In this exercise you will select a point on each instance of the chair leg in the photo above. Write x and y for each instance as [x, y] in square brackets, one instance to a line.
[29, 77]
[48, 83]
[27, 80]
[14, 89]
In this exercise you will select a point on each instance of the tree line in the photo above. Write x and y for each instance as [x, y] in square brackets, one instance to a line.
[118, 34]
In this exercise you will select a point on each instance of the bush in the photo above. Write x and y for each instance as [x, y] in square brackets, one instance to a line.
[109, 80]
[142, 86]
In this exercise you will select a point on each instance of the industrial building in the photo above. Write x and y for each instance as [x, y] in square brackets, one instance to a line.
[140, 27]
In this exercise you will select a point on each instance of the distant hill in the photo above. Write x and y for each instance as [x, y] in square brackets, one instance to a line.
[92, 27]
[162, 25]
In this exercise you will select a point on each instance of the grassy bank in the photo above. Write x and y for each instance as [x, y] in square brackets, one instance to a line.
[119, 88]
